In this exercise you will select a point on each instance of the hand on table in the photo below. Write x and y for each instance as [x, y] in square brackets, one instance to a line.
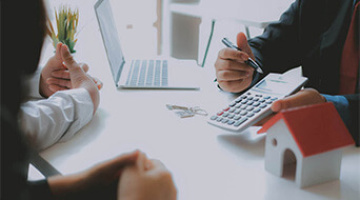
[307, 96]
[99, 180]
[56, 77]
[147, 179]
[232, 73]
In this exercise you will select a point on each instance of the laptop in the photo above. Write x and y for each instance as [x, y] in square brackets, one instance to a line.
[140, 73]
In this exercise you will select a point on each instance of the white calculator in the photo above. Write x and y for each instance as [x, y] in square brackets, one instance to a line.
[255, 104]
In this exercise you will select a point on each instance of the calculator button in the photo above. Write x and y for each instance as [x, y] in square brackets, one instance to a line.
[263, 106]
[274, 99]
[243, 97]
[256, 104]
[230, 122]
[242, 120]
[220, 113]
[250, 108]
[238, 100]
[250, 115]
[226, 109]
[256, 110]
[243, 113]
[237, 117]
[238, 105]
[244, 102]
[248, 93]
[213, 117]
[232, 104]
[268, 102]
[237, 111]
[262, 100]
[225, 114]
[250, 103]
[224, 120]
[232, 109]
[231, 116]
[219, 119]
[267, 97]
[258, 95]
[243, 106]
[250, 98]
[256, 99]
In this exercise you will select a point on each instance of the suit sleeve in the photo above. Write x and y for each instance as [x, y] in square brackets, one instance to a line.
[354, 101]
[277, 49]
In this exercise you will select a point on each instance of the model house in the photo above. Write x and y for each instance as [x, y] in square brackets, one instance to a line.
[310, 137]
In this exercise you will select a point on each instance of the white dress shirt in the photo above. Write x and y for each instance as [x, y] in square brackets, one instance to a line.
[57, 118]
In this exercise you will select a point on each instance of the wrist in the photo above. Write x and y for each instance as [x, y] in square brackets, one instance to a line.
[66, 187]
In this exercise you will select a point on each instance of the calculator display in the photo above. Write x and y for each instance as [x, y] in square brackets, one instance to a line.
[274, 86]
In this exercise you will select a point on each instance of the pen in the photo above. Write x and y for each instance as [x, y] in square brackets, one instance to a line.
[250, 61]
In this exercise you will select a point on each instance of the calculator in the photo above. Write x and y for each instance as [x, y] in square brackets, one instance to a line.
[255, 104]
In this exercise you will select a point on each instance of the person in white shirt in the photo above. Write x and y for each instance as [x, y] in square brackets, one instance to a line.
[57, 108]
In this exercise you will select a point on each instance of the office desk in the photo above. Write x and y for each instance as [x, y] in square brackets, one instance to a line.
[206, 162]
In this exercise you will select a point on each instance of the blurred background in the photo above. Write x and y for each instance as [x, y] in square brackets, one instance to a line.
[185, 29]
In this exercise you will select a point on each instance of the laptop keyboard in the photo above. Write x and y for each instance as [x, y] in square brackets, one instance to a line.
[148, 73]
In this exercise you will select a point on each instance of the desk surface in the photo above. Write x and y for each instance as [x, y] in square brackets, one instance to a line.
[206, 162]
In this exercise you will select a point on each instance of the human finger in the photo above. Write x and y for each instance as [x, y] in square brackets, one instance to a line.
[68, 59]
[222, 64]
[243, 44]
[66, 83]
[63, 74]
[232, 54]
[55, 88]
[58, 51]
[84, 67]
[232, 86]
[142, 161]
[123, 160]
[303, 97]
[231, 75]
[157, 164]
[98, 83]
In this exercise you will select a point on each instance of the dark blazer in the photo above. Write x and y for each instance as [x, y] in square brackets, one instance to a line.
[311, 33]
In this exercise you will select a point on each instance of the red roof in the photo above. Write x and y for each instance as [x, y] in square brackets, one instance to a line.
[315, 129]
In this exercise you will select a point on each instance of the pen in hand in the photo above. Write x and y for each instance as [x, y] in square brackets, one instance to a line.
[250, 61]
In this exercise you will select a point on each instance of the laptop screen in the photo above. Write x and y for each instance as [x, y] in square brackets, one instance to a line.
[110, 37]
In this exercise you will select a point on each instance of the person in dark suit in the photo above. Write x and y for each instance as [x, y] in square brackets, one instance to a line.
[129, 176]
[323, 37]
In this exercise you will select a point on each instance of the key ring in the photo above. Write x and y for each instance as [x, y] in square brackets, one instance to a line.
[199, 111]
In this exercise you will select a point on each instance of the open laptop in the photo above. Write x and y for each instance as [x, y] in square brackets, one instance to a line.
[141, 73]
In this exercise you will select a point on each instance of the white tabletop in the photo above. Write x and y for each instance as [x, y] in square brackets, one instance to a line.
[206, 162]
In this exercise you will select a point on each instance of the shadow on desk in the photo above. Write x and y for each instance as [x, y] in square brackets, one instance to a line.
[247, 143]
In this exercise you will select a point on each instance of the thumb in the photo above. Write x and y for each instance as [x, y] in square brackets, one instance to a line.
[67, 58]
[58, 51]
[243, 43]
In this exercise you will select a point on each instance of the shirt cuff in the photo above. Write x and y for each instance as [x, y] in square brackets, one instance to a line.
[342, 106]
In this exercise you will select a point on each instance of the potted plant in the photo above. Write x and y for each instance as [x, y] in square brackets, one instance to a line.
[66, 22]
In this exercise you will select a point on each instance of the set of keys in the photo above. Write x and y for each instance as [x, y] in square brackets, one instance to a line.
[184, 112]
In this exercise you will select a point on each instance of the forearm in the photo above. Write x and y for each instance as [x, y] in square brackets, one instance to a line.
[67, 187]
[349, 113]
[59, 117]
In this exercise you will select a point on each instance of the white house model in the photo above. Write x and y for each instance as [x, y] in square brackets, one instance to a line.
[312, 138]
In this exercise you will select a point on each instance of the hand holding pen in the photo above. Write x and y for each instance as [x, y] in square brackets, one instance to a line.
[235, 65]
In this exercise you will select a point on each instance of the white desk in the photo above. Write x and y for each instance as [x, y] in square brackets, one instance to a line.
[206, 162]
